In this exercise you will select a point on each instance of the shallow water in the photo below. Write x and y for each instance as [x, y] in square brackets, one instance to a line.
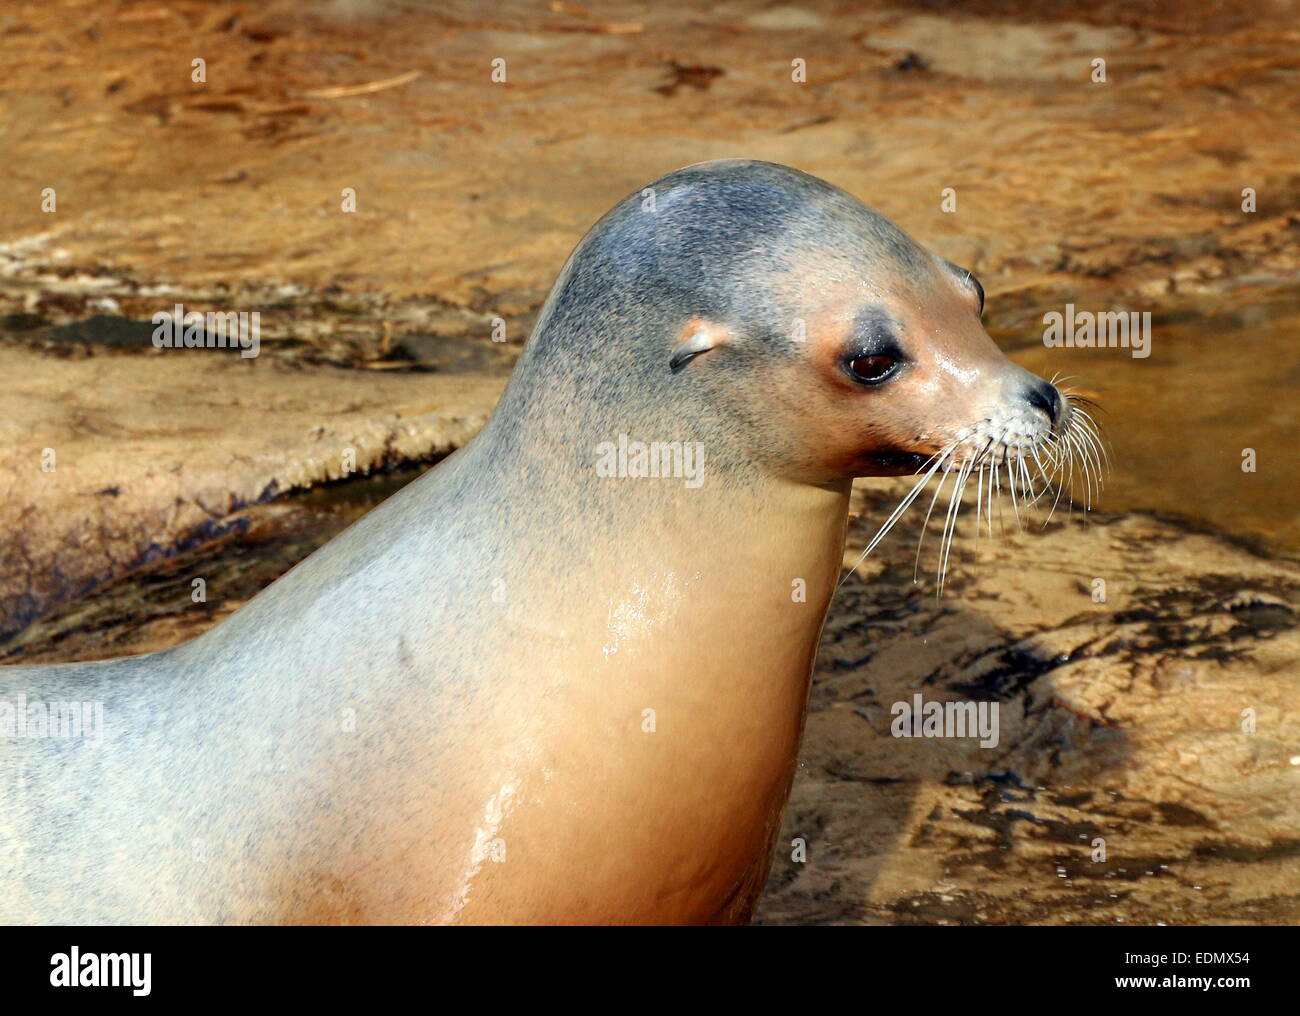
[1179, 420]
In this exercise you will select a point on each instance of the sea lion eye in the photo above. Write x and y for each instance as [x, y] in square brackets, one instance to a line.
[979, 291]
[872, 369]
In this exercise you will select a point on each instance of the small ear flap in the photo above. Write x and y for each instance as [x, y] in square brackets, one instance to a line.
[701, 338]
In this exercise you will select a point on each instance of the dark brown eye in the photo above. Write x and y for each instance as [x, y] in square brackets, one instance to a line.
[872, 370]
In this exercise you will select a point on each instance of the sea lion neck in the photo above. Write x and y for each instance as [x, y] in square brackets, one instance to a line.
[595, 418]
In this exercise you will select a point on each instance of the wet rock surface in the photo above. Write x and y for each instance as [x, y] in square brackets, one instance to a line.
[1146, 768]
[1120, 721]
[228, 194]
[117, 461]
[1148, 746]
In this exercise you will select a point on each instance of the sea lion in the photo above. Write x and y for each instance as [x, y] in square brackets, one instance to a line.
[561, 678]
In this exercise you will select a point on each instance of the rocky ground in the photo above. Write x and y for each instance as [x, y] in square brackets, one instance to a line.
[226, 194]
[1159, 725]
[1121, 720]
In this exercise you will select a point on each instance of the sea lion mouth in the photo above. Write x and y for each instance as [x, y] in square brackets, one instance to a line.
[901, 462]
[1013, 458]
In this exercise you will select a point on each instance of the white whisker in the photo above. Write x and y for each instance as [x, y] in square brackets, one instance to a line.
[897, 514]
[926, 524]
[950, 523]
[1039, 463]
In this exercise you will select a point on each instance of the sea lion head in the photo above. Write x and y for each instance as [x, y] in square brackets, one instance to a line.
[801, 329]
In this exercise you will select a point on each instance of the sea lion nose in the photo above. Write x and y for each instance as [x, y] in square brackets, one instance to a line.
[1043, 396]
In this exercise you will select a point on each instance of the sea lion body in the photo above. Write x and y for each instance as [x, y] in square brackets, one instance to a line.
[524, 690]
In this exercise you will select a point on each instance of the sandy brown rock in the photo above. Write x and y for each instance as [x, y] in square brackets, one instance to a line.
[1121, 721]
[470, 193]
[1161, 721]
[152, 453]
[227, 194]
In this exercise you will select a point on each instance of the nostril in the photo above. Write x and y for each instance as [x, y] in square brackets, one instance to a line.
[1045, 397]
